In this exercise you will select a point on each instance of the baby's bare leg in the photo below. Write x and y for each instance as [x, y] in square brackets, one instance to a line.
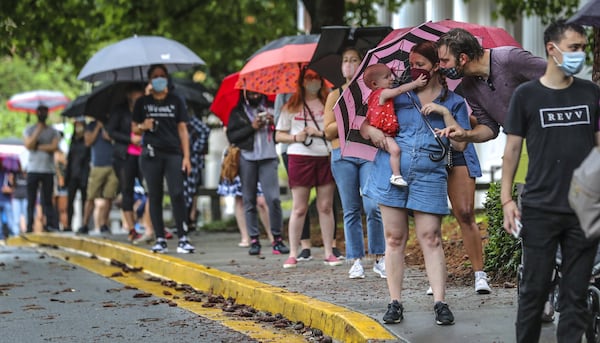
[394, 151]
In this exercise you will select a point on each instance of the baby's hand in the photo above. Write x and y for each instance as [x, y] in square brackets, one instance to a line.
[420, 81]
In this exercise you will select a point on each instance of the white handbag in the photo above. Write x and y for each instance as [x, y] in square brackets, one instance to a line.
[584, 194]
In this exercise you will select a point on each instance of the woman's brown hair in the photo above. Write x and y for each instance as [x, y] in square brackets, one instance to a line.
[296, 102]
[428, 50]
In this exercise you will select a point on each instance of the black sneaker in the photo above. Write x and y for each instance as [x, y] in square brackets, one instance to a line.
[105, 230]
[394, 314]
[337, 253]
[84, 230]
[443, 315]
[254, 247]
[279, 248]
[304, 255]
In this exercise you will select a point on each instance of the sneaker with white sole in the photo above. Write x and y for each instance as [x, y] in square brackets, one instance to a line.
[184, 247]
[398, 180]
[304, 255]
[481, 283]
[357, 271]
[332, 261]
[379, 268]
[160, 247]
[443, 315]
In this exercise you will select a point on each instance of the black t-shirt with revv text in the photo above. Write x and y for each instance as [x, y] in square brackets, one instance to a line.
[559, 126]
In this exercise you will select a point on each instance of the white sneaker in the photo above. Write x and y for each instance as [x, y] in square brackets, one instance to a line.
[160, 247]
[379, 268]
[397, 180]
[429, 291]
[481, 284]
[357, 271]
[184, 247]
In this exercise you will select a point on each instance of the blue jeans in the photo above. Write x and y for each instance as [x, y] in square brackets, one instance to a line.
[19, 208]
[350, 174]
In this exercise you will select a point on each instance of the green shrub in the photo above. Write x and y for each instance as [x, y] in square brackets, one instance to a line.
[503, 251]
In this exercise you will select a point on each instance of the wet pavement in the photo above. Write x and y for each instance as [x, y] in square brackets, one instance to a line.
[479, 318]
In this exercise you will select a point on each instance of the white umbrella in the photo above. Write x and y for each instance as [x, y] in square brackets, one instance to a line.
[30, 101]
[129, 59]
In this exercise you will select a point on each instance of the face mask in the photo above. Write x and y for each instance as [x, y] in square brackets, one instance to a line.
[159, 84]
[42, 118]
[313, 87]
[452, 73]
[254, 102]
[572, 61]
[79, 129]
[348, 70]
[415, 73]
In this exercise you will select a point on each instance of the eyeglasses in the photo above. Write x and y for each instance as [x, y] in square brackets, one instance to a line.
[312, 77]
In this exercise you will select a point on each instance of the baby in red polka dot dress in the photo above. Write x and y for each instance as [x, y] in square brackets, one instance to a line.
[381, 114]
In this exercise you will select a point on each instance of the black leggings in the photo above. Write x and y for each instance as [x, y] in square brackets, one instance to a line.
[127, 170]
[76, 183]
[34, 180]
[155, 169]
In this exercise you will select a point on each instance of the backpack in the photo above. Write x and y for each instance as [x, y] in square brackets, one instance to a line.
[584, 194]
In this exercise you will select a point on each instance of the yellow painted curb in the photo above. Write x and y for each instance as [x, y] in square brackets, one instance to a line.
[338, 322]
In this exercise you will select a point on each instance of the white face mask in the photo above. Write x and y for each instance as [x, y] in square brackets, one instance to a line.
[348, 70]
[312, 87]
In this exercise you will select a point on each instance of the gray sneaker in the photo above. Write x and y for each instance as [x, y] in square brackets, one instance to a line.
[379, 268]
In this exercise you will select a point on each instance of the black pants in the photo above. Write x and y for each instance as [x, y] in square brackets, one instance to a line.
[155, 169]
[127, 170]
[542, 233]
[46, 181]
[75, 183]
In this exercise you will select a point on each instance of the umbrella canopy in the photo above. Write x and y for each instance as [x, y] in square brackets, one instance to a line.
[274, 68]
[588, 14]
[30, 101]
[327, 58]
[197, 97]
[226, 98]
[76, 107]
[129, 59]
[12, 150]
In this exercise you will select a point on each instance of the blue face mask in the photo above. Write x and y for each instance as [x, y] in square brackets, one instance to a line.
[572, 61]
[452, 73]
[159, 84]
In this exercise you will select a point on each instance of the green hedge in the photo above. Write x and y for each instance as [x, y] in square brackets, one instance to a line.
[503, 252]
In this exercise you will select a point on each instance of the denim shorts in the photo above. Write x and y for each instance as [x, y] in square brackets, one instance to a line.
[427, 189]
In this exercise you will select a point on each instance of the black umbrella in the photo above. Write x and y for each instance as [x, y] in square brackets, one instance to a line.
[588, 14]
[327, 59]
[76, 107]
[197, 97]
[108, 95]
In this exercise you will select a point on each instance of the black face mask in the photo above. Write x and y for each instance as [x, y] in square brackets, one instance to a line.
[42, 118]
[254, 102]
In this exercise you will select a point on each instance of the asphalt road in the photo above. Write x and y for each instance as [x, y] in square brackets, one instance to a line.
[45, 299]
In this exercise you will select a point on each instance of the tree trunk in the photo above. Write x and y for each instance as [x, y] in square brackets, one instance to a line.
[324, 13]
[596, 55]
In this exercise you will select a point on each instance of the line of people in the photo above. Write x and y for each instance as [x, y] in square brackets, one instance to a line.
[143, 142]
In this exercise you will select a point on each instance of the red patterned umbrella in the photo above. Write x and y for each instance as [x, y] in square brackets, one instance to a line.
[275, 68]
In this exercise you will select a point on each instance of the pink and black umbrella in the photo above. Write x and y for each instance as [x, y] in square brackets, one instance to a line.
[350, 110]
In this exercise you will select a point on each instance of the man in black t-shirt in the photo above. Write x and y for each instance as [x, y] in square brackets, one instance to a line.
[558, 115]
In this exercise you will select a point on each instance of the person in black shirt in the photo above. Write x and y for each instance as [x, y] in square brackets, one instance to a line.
[78, 169]
[162, 119]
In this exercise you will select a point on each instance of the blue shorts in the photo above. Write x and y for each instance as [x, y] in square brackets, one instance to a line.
[427, 189]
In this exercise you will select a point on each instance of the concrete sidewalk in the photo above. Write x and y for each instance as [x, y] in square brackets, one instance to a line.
[321, 296]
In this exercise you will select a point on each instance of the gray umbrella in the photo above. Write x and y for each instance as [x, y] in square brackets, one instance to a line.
[129, 59]
[588, 14]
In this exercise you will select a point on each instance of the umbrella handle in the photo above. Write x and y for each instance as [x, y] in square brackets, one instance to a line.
[444, 148]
